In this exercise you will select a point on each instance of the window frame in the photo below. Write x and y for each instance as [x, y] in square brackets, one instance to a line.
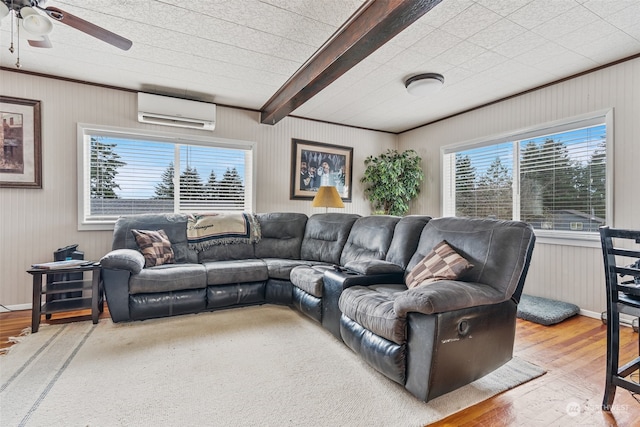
[83, 173]
[571, 238]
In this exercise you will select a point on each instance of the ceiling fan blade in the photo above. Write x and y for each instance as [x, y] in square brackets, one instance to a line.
[88, 28]
[42, 42]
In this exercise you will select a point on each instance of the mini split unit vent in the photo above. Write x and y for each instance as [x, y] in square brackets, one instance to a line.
[168, 111]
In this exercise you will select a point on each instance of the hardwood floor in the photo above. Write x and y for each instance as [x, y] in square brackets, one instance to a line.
[569, 394]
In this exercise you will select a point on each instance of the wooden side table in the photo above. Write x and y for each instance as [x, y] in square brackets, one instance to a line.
[95, 302]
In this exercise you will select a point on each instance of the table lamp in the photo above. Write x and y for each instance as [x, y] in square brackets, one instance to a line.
[327, 197]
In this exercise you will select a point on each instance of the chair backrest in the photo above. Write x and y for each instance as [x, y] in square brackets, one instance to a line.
[174, 225]
[405, 239]
[282, 234]
[621, 265]
[325, 236]
[369, 238]
[500, 251]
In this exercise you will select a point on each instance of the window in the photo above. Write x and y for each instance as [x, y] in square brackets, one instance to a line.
[554, 178]
[124, 172]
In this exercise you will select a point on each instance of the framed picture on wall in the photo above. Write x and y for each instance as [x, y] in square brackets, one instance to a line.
[314, 164]
[20, 143]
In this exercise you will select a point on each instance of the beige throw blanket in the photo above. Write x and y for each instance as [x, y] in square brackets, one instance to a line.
[221, 228]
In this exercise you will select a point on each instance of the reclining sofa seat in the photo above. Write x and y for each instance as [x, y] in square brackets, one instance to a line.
[377, 251]
[238, 275]
[279, 249]
[435, 338]
[134, 292]
[324, 239]
[218, 277]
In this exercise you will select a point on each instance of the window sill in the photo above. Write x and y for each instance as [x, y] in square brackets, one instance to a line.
[585, 240]
[96, 226]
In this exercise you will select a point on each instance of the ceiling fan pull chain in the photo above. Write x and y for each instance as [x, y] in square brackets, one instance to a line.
[18, 45]
[12, 25]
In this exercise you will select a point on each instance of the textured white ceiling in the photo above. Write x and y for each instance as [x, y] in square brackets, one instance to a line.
[239, 52]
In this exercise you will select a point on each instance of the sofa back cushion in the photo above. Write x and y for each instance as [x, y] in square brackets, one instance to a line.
[325, 236]
[174, 225]
[500, 251]
[230, 252]
[405, 239]
[282, 234]
[369, 238]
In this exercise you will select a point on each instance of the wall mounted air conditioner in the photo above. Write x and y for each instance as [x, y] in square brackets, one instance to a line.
[168, 111]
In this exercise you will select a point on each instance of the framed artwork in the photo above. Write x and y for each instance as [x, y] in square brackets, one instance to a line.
[314, 164]
[20, 143]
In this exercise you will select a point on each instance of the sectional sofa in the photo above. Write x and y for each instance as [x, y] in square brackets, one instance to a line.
[349, 274]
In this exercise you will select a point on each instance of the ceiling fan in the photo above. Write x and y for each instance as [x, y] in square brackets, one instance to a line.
[37, 26]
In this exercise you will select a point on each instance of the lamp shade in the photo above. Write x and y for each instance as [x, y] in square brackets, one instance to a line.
[4, 10]
[327, 197]
[35, 23]
[424, 84]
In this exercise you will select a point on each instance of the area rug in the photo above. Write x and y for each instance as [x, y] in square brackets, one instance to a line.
[266, 366]
[545, 311]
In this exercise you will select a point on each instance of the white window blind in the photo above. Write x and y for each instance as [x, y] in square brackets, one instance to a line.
[563, 180]
[124, 174]
[483, 182]
[554, 178]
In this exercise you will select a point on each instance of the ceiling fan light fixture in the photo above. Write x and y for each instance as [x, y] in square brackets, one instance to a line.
[4, 10]
[34, 23]
[424, 84]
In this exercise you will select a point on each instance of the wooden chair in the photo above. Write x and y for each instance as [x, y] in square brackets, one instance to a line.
[622, 272]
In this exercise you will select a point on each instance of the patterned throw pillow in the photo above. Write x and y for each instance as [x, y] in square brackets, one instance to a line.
[155, 246]
[442, 263]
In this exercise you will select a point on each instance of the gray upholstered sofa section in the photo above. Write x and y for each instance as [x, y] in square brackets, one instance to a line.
[371, 243]
[220, 276]
[358, 238]
[174, 225]
[433, 339]
[347, 272]
[325, 236]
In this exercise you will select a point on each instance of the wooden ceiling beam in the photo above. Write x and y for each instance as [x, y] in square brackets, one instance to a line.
[373, 25]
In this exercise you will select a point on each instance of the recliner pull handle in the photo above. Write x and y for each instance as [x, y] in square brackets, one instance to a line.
[463, 328]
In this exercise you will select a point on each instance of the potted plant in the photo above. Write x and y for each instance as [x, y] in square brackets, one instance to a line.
[393, 180]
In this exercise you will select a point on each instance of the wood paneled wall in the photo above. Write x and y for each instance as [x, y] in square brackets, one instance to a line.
[33, 223]
[560, 271]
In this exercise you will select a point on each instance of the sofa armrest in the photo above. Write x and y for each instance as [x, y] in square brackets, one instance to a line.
[116, 290]
[373, 266]
[123, 259]
[445, 295]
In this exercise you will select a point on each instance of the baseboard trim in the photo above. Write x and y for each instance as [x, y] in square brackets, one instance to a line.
[625, 320]
[589, 313]
[16, 307]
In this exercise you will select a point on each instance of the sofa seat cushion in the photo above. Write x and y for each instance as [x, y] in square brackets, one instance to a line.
[446, 295]
[280, 268]
[236, 271]
[372, 308]
[168, 277]
[309, 278]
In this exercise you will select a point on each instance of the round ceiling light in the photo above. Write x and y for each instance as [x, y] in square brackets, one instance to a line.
[424, 84]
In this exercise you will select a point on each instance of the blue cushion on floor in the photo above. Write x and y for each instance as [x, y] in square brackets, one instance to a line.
[545, 311]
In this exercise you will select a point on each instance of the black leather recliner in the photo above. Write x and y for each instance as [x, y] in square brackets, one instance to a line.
[436, 338]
